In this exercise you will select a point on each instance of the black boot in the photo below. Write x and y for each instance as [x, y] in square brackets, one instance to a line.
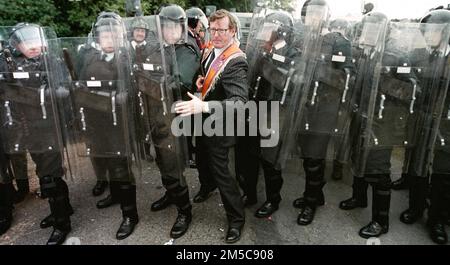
[299, 203]
[359, 197]
[184, 218]
[337, 173]
[162, 203]
[437, 232]
[314, 170]
[57, 192]
[417, 200]
[181, 225]
[381, 199]
[6, 206]
[112, 198]
[306, 216]
[23, 189]
[99, 188]
[402, 183]
[127, 197]
[273, 184]
[267, 209]
[50, 219]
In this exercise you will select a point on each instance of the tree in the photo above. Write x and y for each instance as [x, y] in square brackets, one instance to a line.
[72, 18]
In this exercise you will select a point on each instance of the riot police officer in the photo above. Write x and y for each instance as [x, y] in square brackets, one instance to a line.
[109, 63]
[37, 126]
[318, 121]
[170, 150]
[269, 80]
[360, 185]
[440, 180]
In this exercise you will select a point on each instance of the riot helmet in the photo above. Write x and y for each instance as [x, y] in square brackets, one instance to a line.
[437, 20]
[315, 13]
[194, 15]
[440, 16]
[140, 29]
[108, 31]
[278, 26]
[371, 28]
[173, 24]
[339, 25]
[27, 39]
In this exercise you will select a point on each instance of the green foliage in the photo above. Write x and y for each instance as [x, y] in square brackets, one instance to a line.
[71, 18]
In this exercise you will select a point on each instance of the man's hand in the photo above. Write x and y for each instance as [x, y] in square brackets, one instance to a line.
[193, 106]
[199, 82]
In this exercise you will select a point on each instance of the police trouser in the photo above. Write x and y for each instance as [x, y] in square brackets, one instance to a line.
[248, 158]
[377, 174]
[172, 177]
[247, 164]
[50, 171]
[440, 187]
[418, 182]
[19, 166]
[100, 169]
[313, 149]
[122, 182]
[218, 160]
[169, 161]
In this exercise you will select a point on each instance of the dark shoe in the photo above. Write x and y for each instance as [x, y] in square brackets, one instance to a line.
[58, 236]
[181, 225]
[300, 202]
[161, 204]
[266, 210]
[50, 220]
[410, 217]
[351, 204]
[106, 202]
[5, 224]
[99, 188]
[306, 216]
[202, 196]
[249, 201]
[400, 184]
[126, 228]
[373, 229]
[438, 233]
[233, 235]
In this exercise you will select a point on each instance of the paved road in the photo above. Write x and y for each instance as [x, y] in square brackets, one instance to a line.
[331, 225]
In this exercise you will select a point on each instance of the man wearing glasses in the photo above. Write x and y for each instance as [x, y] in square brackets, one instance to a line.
[223, 81]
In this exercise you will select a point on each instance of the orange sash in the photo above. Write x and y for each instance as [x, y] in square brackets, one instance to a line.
[218, 65]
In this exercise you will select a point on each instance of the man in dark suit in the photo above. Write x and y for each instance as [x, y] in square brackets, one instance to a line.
[224, 84]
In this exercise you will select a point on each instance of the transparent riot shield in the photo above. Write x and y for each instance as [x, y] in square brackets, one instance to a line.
[102, 128]
[441, 150]
[30, 121]
[307, 35]
[156, 79]
[273, 58]
[400, 97]
[322, 115]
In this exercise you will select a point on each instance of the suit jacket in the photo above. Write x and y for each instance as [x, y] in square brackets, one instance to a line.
[231, 87]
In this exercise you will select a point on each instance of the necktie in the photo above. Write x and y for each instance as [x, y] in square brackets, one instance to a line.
[209, 61]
